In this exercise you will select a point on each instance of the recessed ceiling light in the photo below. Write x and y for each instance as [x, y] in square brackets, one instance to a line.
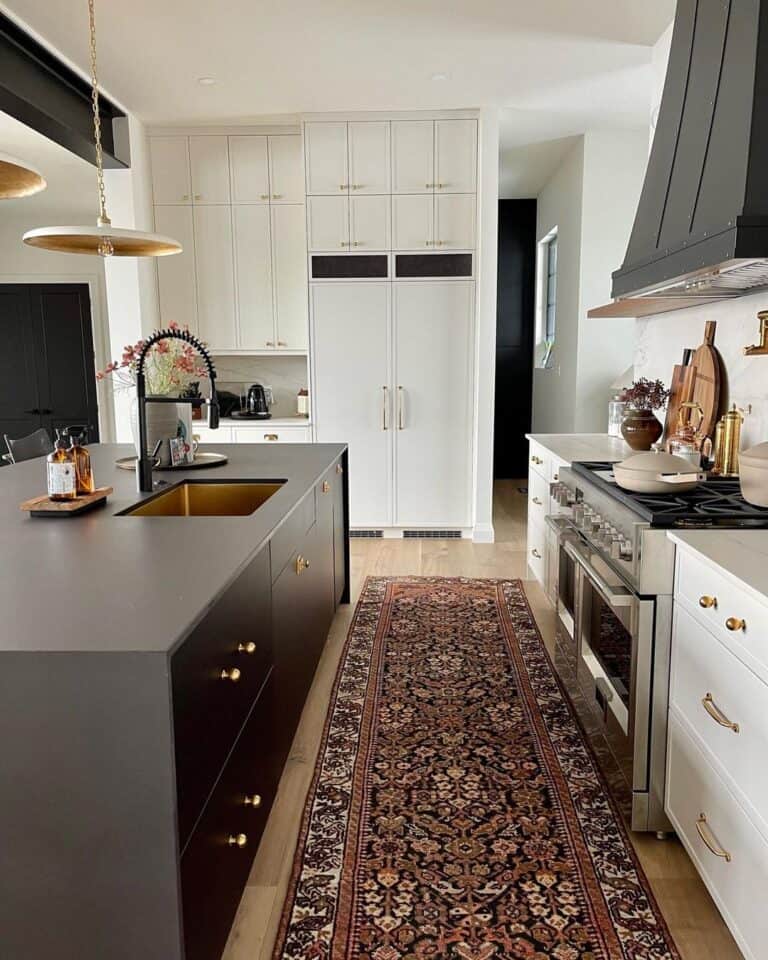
[206, 81]
[441, 76]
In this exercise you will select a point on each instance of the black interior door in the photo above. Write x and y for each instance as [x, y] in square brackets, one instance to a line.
[48, 373]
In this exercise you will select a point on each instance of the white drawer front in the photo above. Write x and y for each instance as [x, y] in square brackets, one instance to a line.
[206, 435]
[703, 668]
[537, 550]
[738, 620]
[267, 434]
[555, 464]
[538, 497]
[539, 460]
[695, 789]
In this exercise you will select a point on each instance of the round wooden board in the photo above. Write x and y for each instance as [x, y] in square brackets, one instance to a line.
[708, 384]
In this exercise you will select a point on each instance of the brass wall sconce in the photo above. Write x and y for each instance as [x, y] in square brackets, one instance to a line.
[760, 349]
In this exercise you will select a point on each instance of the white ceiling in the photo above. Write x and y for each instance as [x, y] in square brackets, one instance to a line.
[556, 67]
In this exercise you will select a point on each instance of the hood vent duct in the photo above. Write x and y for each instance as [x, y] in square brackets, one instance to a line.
[701, 228]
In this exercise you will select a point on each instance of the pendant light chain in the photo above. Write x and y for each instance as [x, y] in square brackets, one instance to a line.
[103, 218]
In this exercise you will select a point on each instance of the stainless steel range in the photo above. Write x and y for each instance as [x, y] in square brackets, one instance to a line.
[615, 583]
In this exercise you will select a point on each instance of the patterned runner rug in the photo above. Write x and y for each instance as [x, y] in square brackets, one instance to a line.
[456, 809]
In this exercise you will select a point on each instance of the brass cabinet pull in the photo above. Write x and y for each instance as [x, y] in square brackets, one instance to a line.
[429, 243]
[345, 243]
[326, 486]
[254, 800]
[249, 647]
[264, 196]
[339, 468]
[735, 624]
[271, 436]
[400, 409]
[237, 840]
[198, 196]
[282, 343]
[538, 502]
[429, 186]
[185, 196]
[277, 196]
[441, 186]
[556, 477]
[536, 553]
[357, 186]
[233, 674]
[707, 602]
[343, 186]
[270, 343]
[440, 243]
[385, 409]
[709, 841]
[537, 460]
[357, 243]
[717, 714]
[301, 564]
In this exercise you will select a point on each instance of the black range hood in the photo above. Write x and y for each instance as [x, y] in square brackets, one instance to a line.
[701, 228]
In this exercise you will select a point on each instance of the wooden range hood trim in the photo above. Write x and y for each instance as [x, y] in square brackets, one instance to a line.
[649, 306]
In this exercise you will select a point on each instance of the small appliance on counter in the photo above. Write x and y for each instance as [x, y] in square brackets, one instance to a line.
[256, 406]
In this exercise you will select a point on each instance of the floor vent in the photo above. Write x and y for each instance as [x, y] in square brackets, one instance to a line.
[431, 534]
[367, 534]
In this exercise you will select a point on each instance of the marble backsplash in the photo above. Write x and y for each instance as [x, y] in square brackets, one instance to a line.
[661, 340]
[285, 375]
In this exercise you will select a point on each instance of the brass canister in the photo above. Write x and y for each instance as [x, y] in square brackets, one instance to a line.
[728, 443]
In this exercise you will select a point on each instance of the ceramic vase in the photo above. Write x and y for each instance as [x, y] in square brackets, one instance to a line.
[641, 429]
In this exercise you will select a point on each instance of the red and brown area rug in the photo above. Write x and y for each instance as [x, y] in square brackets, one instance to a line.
[456, 809]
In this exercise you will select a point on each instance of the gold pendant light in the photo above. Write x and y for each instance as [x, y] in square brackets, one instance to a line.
[103, 240]
[18, 178]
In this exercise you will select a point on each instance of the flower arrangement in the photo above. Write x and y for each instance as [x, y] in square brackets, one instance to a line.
[170, 368]
[644, 394]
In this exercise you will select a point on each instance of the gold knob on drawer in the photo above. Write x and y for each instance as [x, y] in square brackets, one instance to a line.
[237, 840]
[326, 486]
[233, 674]
[735, 624]
[270, 436]
[536, 553]
[339, 468]
[249, 647]
[254, 800]
[301, 564]
[707, 602]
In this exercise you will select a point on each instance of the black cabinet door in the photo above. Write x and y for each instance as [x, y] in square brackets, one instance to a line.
[19, 401]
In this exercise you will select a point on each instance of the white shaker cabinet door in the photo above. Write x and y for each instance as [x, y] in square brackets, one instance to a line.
[209, 163]
[215, 276]
[286, 170]
[328, 223]
[456, 156]
[289, 268]
[176, 274]
[413, 222]
[352, 389]
[369, 222]
[413, 156]
[253, 276]
[325, 146]
[250, 169]
[455, 221]
[169, 157]
[369, 156]
[433, 394]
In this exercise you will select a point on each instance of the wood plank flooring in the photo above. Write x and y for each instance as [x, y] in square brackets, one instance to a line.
[693, 919]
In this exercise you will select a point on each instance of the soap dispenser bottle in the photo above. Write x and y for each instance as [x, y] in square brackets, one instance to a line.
[83, 468]
[62, 476]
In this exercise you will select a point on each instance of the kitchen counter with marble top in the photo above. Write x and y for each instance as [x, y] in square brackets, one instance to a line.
[574, 447]
[740, 555]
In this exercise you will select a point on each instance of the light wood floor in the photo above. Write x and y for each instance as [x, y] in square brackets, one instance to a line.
[693, 919]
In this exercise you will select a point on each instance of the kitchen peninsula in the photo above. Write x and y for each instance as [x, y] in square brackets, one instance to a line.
[153, 670]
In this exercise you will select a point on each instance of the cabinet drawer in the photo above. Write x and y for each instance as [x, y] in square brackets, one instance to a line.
[203, 431]
[694, 790]
[267, 434]
[538, 497]
[727, 608]
[289, 535]
[213, 870]
[209, 708]
[538, 460]
[537, 547]
[702, 667]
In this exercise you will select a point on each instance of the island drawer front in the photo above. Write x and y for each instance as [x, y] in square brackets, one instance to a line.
[702, 667]
[538, 460]
[538, 498]
[209, 706]
[289, 535]
[213, 870]
[266, 434]
[694, 788]
[697, 583]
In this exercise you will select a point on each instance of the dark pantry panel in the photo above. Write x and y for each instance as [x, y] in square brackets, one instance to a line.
[514, 336]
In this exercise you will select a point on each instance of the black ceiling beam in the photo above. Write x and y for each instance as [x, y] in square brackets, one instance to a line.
[45, 94]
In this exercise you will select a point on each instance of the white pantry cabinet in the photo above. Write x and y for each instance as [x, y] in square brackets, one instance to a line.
[209, 163]
[456, 156]
[434, 155]
[343, 223]
[215, 276]
[169, 158]
[249, 169]
[427, 220]
[253, 276]
[286, 169]
[176, 275]
[289, 272]
[347, 157]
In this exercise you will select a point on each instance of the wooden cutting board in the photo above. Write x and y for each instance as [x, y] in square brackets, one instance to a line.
[709, 379]
[680, 391]
[45, 507]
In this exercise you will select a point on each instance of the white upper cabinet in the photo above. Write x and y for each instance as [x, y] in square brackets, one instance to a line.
[328, 223]
[369, 163]
[209, 162]
[456, 156]
[249, 165]
[169, 157]
[455, 221]
[286, 170]
[215, 276]
[369, 223]
[413, 222]
[253, 276]
[413, 156]
[176, 275]
[289, 269]
[325, 146]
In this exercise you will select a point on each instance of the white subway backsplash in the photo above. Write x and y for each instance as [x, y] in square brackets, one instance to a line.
[661, 340]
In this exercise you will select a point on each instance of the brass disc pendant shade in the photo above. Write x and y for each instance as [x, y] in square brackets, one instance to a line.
[103, 239]
[18, 178]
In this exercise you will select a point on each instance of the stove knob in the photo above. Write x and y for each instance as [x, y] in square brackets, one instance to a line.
[626, 549]
[616, 547]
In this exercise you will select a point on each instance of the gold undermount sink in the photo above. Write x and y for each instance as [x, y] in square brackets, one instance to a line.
[207, 498]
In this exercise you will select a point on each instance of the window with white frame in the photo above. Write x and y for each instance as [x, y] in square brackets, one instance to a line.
[546, 298]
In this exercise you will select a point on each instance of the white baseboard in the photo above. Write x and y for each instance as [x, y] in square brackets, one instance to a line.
[483, 533]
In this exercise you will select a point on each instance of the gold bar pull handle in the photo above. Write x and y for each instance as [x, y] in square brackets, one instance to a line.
[400, 408]
[385, 409]
[708, 839]
[717, 714]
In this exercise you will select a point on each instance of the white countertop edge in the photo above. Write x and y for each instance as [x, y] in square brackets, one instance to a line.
[741, 556]
[253, 424]
[572, 447]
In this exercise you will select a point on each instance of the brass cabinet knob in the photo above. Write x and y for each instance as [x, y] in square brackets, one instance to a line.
[339, 468]
[536, 553]
[707, 602]
[233, 674]
[254, 800]
[326, 486]
[237, 840]
[735, 624]
[537, 460]
[301, 564]
[249, 647]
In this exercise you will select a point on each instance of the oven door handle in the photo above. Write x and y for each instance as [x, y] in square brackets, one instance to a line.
[612, 598]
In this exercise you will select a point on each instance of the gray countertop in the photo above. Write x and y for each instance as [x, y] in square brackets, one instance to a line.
[103, 583]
